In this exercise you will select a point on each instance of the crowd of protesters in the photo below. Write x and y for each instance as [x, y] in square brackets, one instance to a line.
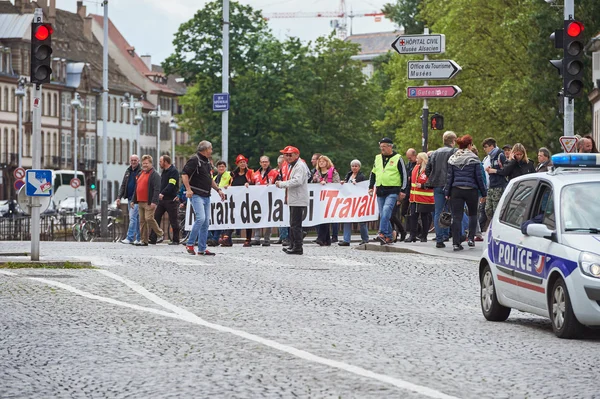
[449, 190]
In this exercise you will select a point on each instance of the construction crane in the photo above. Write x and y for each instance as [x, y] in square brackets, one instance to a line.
[340, 24]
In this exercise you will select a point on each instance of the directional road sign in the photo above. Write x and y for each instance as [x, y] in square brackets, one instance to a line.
[221, 102]
[420, 44]
[39, 183]
[420, 92]
[432, 70]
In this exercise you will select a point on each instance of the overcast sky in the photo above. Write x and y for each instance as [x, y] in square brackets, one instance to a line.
[149, 25]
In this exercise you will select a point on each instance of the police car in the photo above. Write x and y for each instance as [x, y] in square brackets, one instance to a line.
[554, 269]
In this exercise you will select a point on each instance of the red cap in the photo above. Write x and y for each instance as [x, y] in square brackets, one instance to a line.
[241, 158]
[290, 150]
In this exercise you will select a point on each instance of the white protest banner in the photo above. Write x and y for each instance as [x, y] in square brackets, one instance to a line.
[263, 206]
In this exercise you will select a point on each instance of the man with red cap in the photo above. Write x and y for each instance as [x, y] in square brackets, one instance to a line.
[296, 188]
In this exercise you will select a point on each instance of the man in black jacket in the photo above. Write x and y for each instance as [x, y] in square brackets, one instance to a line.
[169, 187]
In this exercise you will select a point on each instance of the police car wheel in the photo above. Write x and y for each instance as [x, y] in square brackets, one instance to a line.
[564, 322]
[491, 308]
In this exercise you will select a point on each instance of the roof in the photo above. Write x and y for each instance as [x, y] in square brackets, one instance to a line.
[177, 87]
[128, 52]
[14, 26]
[6, 7]
[374, 44]
[70, 43]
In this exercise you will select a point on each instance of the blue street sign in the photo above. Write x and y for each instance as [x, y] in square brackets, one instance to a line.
[38, 183]
[221, 102]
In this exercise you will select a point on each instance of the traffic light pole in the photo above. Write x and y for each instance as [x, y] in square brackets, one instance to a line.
[36, 162]
[425, 115]
[569, 103]
[103, 186]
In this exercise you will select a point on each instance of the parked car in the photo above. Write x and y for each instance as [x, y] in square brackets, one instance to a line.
[68, 205]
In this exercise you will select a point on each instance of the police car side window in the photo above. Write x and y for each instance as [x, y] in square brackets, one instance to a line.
[544, 204]
[516, 209]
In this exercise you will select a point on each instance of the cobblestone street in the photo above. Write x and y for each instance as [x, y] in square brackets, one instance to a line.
[253, 322]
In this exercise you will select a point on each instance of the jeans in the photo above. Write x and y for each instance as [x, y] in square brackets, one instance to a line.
[199, 231]
[284, 233]
[364, 231]
[334, 230]
[439, 197]
[133, 233]
[386, 207]
[267, 234]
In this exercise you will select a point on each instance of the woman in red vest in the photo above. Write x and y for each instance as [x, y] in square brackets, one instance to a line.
[421, 200]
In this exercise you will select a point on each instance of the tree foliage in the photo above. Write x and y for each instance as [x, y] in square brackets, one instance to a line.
[310, 95]
[509, 87]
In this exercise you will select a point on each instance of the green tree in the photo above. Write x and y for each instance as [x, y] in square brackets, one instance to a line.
[406, 14]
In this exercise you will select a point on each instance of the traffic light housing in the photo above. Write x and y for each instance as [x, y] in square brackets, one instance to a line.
[437, 122]
[92, 183]
[557, 38]
[572, 66]
[41, 53]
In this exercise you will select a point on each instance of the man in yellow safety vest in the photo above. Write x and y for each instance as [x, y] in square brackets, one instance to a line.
[389, 178]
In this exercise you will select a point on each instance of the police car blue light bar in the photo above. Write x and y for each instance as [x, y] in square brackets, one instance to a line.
[576, 160]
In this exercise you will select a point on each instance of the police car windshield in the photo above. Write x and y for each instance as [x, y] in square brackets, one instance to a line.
[581, 208]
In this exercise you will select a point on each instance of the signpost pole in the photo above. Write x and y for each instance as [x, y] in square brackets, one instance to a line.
[36, 163]
[425, 115]
[104, 185]
[225, 81]
[569, 103]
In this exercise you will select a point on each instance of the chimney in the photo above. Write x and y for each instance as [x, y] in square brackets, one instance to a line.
[87, 29]
[81, 9]
[52, 12]
[147, 60]
[43, 4]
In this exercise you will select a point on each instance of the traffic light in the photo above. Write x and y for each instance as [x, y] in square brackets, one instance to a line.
[92, 184]
[41, 51]
[437, 122]
[557, 38]
[573, 45]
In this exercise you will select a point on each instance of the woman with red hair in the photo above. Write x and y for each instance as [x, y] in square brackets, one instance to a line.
[463, 185]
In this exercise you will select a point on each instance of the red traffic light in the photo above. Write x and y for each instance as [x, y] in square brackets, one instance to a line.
[574, 29]
[43, 32]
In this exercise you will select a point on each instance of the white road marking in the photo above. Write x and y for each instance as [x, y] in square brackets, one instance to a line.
[7, 273]
[189, 317]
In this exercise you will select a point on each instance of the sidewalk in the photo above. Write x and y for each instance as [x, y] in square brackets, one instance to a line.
[427, 248]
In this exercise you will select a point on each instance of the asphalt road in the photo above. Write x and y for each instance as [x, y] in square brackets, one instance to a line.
[253, 322]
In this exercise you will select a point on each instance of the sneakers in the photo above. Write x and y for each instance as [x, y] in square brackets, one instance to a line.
[212, 243]
[440, 245]
[343, 244]
[478, 238]
[286, 243]
[137, 243]
[458, 247]
[247, 244]
[206, 253]
[254, 243]
[143, 244]
[383, 240]
[225, 241]
[266, 244]
[126, 241]
[160, 239]
[471, 243]
[363, 242]
[190, 249]
[174, 243]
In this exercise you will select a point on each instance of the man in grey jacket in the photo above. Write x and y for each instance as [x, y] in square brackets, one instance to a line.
[437, 170]
[296, 187]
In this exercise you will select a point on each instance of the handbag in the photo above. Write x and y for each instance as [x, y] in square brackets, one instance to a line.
[445, 219]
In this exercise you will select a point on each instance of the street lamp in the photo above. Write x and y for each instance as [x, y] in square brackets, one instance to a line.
[133, 105]
[20, 93]
[76, 104]
[174, 128]
[158, 114]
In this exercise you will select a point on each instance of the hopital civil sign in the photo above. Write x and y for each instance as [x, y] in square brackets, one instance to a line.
[420, 44]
